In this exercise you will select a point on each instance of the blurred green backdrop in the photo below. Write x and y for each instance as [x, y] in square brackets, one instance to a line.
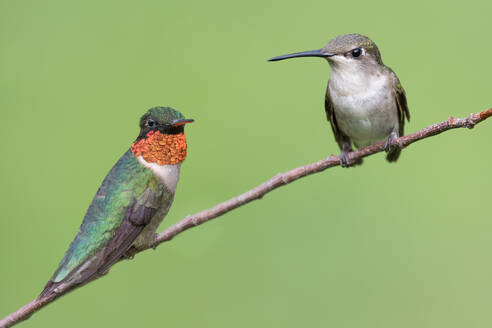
[405, 245]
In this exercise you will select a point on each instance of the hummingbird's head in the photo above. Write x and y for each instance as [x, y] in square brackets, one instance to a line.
[352, 50]
[161, 139]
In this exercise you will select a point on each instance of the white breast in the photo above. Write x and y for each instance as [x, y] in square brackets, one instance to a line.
[168, 174]
[364, 106]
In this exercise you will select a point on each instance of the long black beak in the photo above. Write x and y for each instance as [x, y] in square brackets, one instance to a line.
[182, 122]
[312, 53]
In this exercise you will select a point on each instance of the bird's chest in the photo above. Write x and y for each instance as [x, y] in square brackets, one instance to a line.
[167, 174]
[365, 110]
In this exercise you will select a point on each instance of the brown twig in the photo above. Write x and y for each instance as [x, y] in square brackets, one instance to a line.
[277, 181]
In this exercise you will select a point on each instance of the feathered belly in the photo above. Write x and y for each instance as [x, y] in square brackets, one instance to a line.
[146, 237]
[366, 119]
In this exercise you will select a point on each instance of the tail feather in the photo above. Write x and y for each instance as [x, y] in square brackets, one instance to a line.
[49, 288]
[60, 287]
[83, 273]
[393, 155]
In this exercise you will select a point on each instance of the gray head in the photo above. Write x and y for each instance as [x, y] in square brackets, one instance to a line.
[347, 49]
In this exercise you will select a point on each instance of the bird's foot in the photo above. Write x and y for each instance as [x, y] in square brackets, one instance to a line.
[391, 144]
[154, 243]
[130, 253]
[345, 160]
[392, 147]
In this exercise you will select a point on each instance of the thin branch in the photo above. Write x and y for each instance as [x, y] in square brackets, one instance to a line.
[256, 193]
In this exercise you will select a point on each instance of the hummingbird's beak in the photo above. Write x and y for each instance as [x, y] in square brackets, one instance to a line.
[312, 53]
[182, 122]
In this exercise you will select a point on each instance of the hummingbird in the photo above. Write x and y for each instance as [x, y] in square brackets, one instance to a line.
[364, 101]
[130, 204]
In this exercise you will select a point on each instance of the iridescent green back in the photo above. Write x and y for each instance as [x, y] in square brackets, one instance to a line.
[126, 181]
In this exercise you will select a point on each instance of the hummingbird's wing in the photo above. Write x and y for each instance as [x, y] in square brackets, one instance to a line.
[125, 203]
[401, 102]
[340, 137]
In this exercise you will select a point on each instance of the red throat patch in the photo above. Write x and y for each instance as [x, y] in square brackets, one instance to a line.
[161, 148]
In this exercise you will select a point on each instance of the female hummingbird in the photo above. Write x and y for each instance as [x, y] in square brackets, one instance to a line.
[132, 201]
[364, 100]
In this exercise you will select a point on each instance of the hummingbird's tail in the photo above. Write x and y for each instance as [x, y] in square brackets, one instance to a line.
[59, 288]
[49, 289]
[393, 155]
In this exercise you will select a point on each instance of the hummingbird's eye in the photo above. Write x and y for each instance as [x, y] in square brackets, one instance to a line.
[150, 122]
[356, 52]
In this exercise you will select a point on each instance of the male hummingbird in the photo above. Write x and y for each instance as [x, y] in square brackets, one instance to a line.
[364, 100]
[132, 201]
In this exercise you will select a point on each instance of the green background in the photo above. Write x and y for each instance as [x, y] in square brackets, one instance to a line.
[382, 245]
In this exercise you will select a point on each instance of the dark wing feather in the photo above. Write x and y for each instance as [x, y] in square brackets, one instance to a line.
[340, 137]
[401, 103]
[402, 108]
[137, 217]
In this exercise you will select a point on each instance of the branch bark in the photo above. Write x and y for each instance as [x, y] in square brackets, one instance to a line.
[258, 192]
